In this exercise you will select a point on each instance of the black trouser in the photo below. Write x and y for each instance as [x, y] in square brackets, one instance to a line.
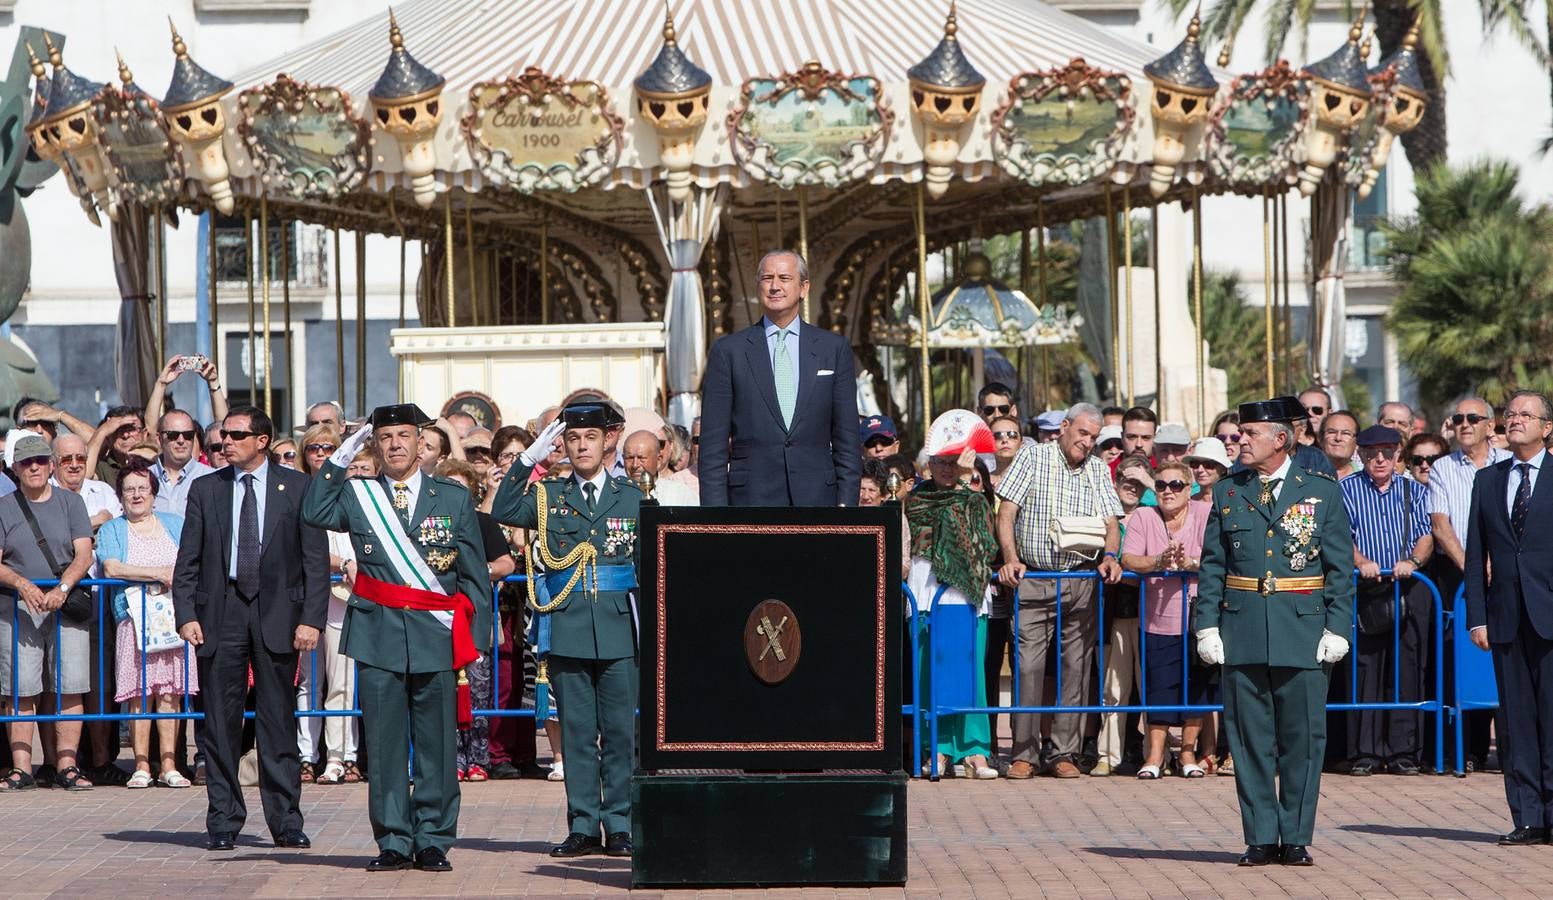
[1392, 671]
[224, 685]
[1524, 669]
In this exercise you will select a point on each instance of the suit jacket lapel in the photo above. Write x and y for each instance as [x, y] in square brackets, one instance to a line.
[223, 514]
[1251, 490]
[578, 500]
[808, 363]
[1292, 491]
[274, 496]
[760, 365]
[423, 504]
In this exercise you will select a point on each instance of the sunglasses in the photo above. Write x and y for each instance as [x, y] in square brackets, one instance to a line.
[231, 435]
[213, 448]
[320, 448]
[879, 440]
[1418, 459]
[1469, 418]
[1230, 438]
[178, 435]
[1001, 409]
[1316, 410]
[1162, 486]
[1005, 435]
[32, 461]
[477, 452]
[73, 459]
[288, 455]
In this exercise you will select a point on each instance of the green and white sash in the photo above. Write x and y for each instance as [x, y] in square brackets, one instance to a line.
[382, 521]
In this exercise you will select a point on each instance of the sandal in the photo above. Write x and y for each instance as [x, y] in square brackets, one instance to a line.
[139, 781]
[1148, 773]
[307, 773]
[1192, 769]
[478, 773]
[71, 779]
[1227, 767]
[17, 780]
[1210, 765]
[173, 779]
[353, 774]
[332, 773]
[463, 775]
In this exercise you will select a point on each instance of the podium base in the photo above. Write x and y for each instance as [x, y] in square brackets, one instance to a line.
[768, 829]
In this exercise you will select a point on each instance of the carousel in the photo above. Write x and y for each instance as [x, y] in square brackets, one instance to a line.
[587, 188]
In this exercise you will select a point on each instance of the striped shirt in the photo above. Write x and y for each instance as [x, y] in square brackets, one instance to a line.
[1450, 488]
[1045, 487]
[1376, 516]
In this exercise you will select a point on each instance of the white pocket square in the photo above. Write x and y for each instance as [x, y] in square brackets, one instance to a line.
[824, 372]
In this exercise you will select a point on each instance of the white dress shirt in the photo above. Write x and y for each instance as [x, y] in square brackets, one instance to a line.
[598, 481]
[261, 479]
[1513, 483]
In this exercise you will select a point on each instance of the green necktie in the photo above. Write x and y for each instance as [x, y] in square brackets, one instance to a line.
[588, 489]
[786, 384]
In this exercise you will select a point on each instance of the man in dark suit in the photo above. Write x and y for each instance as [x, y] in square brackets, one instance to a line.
[779, 405]
[251, 587]
[1512, 612]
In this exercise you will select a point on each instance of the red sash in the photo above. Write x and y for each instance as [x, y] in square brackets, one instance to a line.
[399, 596]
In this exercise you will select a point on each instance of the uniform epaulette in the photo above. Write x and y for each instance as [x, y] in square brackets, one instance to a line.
[1321, 475]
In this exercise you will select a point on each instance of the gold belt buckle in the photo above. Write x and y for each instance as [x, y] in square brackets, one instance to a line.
[1269, 585]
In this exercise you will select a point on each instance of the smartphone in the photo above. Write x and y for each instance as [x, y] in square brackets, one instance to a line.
[191, 363]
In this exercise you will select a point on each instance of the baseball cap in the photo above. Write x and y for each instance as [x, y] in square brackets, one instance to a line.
[27, 445]
[1379, 435]
[1051, 420]
[875, 426]
[1172, 434]
[1109, 433]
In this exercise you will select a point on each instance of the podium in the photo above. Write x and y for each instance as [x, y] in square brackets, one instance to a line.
[770, 698]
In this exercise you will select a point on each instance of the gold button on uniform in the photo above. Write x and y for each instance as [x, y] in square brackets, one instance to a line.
[1269, 532]
[1269, 553]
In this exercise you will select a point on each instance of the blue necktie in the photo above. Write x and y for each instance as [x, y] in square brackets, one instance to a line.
[786, 384]
[1522, 499]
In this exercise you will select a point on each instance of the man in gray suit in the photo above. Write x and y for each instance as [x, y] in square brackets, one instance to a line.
[779, 405]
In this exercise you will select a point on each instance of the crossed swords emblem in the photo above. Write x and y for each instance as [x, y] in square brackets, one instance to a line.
[772, 634]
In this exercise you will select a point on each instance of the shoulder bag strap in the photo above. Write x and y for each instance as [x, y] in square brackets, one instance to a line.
[43, 544]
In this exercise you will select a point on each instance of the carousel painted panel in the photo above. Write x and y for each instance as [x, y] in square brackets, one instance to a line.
[540, 133]
[306, 140]
[1254, 134]
[147, 165]
[1063, 126]
[813, 127]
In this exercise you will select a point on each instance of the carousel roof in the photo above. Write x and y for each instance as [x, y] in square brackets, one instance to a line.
[1405, 63]
[1184, 66]
[672, 72]
[981, 311]
[1345, 67]
[403, 77]
[68, 90]
[947, 66]
[191, 84]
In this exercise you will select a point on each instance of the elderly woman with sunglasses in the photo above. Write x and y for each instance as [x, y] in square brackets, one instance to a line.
[1421, 453]
[1169, 538]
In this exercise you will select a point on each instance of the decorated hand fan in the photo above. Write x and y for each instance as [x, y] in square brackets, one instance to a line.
[956, 430]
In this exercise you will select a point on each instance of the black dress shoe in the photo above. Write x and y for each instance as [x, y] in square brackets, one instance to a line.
[389, 861]
[221, 840]
[432, 860]
[505, 771]
[1524, 836]
[1295, 855]
[1259, 855]
[618, 844]
[293, 838]
[577, 844]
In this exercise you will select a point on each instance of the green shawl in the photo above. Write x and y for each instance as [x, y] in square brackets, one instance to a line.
[952, 529]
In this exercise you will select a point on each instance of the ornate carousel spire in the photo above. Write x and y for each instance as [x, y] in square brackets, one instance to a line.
[673, 94]
[72, 130]
[197, 122]
[1183, 89]
[40, 94]
[1406, 103]
[945, 97]
[407, 102]
[1340, 96]
[68, 92]
[191, 86]
[127, 84]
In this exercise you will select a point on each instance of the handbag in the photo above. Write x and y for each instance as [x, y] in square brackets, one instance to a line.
[156, 623]
[78, 603]
[1376, 603]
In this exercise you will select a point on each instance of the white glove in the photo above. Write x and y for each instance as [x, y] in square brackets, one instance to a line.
[543, 444]
[1332, 647]
[1210, 647]
[352, 445]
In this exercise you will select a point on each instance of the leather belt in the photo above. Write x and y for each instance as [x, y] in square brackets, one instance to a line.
[1274, 585]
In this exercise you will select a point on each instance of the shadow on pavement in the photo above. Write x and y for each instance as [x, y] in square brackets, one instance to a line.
[1443, 834]
[1204, 856]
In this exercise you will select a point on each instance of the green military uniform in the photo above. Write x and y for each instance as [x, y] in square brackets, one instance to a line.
[1274, 688]
[406, 654]
[592, 663]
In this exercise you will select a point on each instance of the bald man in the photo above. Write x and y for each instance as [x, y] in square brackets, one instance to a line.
[644, 450]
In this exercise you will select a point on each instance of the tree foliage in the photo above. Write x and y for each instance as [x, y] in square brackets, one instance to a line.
[1476, 285]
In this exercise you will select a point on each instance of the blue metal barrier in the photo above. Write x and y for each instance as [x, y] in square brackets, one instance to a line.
[934, 710]
[1472, 675]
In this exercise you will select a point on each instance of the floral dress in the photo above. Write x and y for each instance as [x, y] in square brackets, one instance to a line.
[165, 670]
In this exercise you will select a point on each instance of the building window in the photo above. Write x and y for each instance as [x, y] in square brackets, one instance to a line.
[232, 249]
[1367, 246]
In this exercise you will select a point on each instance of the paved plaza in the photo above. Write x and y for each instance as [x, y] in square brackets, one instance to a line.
[1091, 838]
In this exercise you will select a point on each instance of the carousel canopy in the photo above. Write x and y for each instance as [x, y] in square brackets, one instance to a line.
[981, 311]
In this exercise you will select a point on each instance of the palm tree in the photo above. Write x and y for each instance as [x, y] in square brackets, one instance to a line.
[1476, 277]
[1424, 145]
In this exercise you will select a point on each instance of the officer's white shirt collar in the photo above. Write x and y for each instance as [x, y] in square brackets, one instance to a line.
[598, 481]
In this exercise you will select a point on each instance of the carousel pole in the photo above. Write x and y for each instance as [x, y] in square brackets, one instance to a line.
[339, 325]
[1040, 270]
[210, 263]
[469, 262]
[1127, 261]
[253, 349]
[285, 306]
[447, 249]
[264, 274]
[1269, 300]
[160, 271]
[544, 270]
[1115, 305]
[781, 235]
[399, 226]
[1288, 316]
[1202, 396]
[1159, 325]
[922, 308]
[803, 240]
[1026, 357]
[361, 323]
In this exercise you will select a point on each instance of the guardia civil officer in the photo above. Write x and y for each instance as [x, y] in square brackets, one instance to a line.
[586, 535]
[1275, 597]
[419, 610]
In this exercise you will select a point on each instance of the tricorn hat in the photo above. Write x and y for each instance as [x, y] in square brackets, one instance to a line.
[399, 414]
[588, 414]
[1278, 409]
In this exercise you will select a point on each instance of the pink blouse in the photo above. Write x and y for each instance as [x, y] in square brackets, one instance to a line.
[1146, 536]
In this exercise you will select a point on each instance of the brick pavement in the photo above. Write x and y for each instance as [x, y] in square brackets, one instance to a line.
[1093, 838]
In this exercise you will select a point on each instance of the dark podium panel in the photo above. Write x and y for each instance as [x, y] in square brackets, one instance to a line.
[703, 704]
[770, 698]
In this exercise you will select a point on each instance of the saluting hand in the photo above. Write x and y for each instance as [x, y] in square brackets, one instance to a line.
[544, 443]
[351, 446]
